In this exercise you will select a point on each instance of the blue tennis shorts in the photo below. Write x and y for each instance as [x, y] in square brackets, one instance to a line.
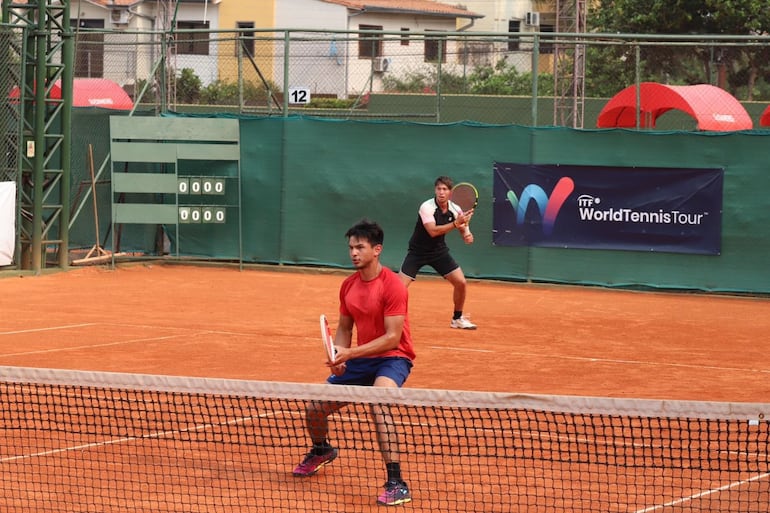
[363, 371]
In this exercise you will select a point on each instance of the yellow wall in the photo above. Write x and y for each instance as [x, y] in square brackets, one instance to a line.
[262, 14]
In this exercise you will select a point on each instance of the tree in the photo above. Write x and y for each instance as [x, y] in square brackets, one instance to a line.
[188, 86]
[734, 67]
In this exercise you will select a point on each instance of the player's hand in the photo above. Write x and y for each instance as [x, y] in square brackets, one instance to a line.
[338, 365]
[464, 218]
[468, 237]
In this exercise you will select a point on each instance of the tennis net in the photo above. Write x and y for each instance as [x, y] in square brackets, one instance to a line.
[73, 441]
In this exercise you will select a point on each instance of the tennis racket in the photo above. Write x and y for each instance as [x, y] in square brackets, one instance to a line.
[465, 196]
[328, 340]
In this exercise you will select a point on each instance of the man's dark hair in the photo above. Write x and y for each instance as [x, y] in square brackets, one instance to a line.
[366, 230]
[445, 180]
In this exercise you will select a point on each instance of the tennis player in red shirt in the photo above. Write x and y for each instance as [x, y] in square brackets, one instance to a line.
[375, 301]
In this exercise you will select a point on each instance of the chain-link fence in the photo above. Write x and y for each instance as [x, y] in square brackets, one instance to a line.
[11, 40]
[524, 78]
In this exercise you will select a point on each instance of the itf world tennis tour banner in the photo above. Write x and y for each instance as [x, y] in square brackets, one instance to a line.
[7, 224]
[625, 208]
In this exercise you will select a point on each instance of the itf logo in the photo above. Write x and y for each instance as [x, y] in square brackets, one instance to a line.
[547, 206]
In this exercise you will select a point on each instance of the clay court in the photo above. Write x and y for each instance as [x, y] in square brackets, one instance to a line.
[262, 324]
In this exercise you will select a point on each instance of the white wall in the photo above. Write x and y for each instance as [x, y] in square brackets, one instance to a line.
[325, 68]
[7, 222]
[205, 66]
[335, 66]
[497, 13]
[309, 14]
[127, 58]
[403, 59]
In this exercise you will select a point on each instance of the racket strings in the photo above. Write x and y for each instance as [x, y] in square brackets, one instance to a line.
[464, 197]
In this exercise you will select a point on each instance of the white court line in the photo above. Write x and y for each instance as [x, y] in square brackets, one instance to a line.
[158, 434]
[189, 332]
[53, 328]
[90, 346]
[706, 493]
[148, 326]
[612, 443]
[241, 420]
[155, 326]
[608, 360]
[462, 349]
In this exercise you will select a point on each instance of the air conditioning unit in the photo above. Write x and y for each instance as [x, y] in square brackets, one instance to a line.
[381, 64]
[532, 19]
[119, 16]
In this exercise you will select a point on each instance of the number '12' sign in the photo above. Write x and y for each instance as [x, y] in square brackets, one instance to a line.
[299, 95]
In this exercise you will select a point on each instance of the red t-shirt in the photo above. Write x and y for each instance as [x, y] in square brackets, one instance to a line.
[369, 302]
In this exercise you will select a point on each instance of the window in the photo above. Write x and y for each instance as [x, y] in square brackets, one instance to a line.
[404, 36]
[435, 46]
[370, 46]
[89, 49]
[546, 45]
[193, 43]
[514, 27]
[246, 38]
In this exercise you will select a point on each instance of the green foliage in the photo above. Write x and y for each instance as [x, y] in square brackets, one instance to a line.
[259, 94]
[220, 92]
[150, 95]
[727, 66]
[330, 103]
[189, 90]
[188, 86]
[224, 92]
[425, 80]
[505, 80]
[500, 79]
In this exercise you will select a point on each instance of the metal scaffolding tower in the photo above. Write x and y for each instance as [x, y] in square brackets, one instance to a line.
[44, 151]
[569, 65]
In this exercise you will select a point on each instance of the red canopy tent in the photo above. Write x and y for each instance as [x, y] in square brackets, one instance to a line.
[764, 120]
[712, 107]
[92, 92]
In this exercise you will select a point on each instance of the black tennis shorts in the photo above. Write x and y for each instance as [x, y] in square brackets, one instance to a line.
[442, 263]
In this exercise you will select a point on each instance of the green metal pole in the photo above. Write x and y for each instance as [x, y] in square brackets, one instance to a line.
[239, 63]
[162, 74]
[439, 71]
[68, 58]
[286, 44]
[535, 72]
[168, 77]
[38, 169]
[638, 77]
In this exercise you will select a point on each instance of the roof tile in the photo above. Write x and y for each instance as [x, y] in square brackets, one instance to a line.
[407, 6]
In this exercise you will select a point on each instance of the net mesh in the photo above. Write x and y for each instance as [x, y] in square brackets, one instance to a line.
[83, 441]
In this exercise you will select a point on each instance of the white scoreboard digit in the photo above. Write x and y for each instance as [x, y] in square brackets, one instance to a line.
[201, 186]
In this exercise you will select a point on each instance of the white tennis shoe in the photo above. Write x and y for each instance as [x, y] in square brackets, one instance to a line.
[463, 324]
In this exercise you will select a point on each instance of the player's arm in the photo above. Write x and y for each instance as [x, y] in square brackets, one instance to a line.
[394, 325]
[434, 230]
[462, 222]
[467, 235]
[462, 218]
[464, 228]
[344, 335]
[343, 339]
